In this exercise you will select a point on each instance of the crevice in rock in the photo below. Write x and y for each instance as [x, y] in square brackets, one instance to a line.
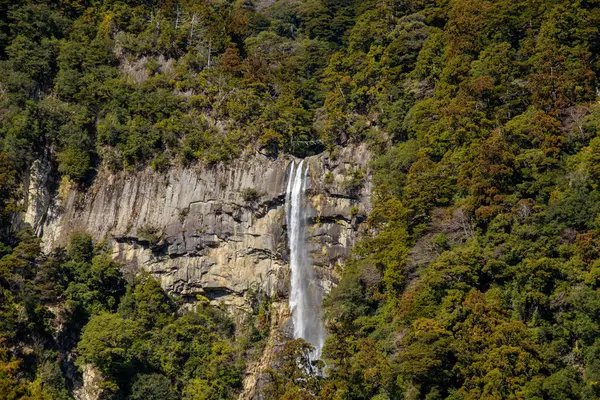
[329, 219]
[158, 249]
[344, 196]
[268, 205]
[323, 235]
[337, 218]
[263, 254]
[214, 293]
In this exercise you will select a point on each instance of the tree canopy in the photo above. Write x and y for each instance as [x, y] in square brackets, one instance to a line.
[478, 276]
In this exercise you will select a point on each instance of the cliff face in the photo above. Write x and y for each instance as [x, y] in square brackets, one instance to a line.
[218, 232]
[215, 231]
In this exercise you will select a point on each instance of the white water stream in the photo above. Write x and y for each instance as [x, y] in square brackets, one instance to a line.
[305, 296]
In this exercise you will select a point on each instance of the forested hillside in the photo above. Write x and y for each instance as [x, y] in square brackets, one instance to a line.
[480, 274]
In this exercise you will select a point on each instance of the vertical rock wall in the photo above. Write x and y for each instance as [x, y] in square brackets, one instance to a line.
[219, 232]
[215, 231]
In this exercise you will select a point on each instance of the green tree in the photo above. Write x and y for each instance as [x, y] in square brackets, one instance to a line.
[152, 387]
[107, 342]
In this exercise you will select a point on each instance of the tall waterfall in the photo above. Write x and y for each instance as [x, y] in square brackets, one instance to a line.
[305, 296]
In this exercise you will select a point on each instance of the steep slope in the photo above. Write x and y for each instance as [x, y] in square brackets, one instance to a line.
[213, 231]
[216, 232]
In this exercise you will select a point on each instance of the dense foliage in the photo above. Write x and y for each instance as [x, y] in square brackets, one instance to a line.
[480, 275]
[143, 345]
[74, 308]
[135, 83]
[479, 278]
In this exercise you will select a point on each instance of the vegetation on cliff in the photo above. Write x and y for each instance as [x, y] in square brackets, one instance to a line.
[480, 276]
[479, 279]
[78, 305]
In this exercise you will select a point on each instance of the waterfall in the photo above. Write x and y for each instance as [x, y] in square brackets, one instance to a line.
[305, 294]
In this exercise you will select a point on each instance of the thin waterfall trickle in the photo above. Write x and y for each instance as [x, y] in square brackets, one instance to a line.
[305, 293]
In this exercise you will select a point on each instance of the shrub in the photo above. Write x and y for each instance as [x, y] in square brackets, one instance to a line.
[150, 234]
[74, 163]
[81, 248]
[251, 195]
[152, 387]
[354, 182]
[328, 178]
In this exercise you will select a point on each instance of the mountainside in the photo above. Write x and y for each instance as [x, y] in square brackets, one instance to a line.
[451, 204]
[216, 231]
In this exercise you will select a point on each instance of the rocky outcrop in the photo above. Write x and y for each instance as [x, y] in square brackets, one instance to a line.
[219, 232]
[91, 385]
[215, 231]
[38, 187]
[255, 373]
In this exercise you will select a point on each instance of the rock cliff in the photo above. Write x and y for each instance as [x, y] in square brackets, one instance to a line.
[214, 231]
[219, 232]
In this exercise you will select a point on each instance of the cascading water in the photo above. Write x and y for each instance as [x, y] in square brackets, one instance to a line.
[305, 296]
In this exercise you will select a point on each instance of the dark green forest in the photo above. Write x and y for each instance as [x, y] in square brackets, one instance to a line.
[479, 276]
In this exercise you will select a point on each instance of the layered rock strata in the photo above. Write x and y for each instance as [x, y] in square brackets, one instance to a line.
[215, 231]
